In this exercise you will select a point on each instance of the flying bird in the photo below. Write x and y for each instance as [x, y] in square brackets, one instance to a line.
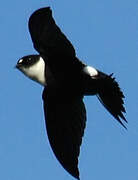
[66, 81]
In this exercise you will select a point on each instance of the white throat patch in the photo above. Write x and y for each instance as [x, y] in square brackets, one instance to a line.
[36, 72]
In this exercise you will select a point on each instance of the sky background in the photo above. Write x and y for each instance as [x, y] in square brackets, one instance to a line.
[105, 35]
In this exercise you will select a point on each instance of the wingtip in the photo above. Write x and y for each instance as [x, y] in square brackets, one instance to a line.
[77, 177]
[41, 11]
[48, 8]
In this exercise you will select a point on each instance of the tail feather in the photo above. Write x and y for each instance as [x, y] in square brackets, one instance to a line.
[111, 96]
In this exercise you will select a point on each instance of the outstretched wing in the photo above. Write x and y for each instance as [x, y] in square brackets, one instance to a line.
[111, 96]
[51, 43]
[65, 123]
[46, 35]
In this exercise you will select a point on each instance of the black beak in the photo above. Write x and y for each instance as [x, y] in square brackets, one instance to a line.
[18, 65]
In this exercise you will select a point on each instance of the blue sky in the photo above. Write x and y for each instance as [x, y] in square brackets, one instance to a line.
[104, 35]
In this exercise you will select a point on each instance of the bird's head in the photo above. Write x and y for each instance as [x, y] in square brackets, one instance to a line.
[33, 66]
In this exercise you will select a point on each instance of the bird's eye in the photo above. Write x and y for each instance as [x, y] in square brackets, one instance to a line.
[20, 61]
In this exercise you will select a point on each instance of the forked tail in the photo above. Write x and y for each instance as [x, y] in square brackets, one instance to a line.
[111, 96]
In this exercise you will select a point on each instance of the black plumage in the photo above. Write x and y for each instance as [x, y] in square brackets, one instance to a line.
[64, 109]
